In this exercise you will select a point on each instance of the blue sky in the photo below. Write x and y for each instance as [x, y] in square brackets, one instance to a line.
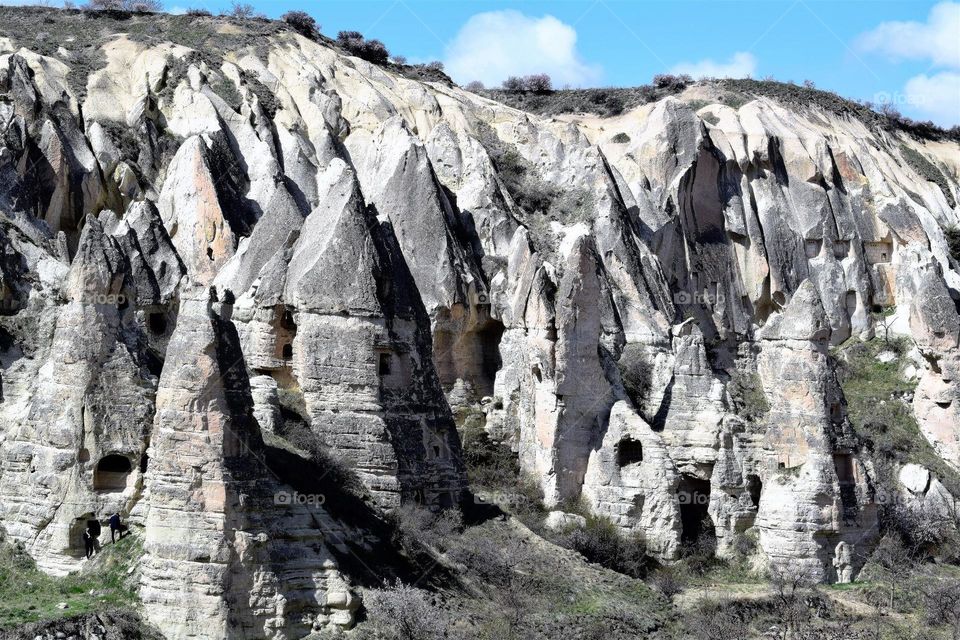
[906, 52]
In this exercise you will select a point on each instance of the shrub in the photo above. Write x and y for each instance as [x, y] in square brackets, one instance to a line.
[370, 50]
[489, 464]
[942, 603]
[672, 82]
[636, 372]
[953, 241]
[538, 83]
[620, 138]
[401, 60]
[474, 86]
[668, 581]
[242, 11]
[928, 171]
[513, 83]
[303, 23]
[615, 106]
[601, 542]
[436, 65]
[876, 406]
[198, 12]
[402, 612]
[747, 396]
[298, 434]
[136, 6]
[715, 620]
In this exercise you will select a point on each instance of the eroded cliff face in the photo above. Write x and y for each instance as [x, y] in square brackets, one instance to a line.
[201, 246]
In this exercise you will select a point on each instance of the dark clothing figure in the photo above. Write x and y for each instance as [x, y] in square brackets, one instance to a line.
[116, 528]
[88, 540]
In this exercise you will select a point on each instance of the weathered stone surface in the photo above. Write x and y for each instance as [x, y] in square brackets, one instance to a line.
[371, 252]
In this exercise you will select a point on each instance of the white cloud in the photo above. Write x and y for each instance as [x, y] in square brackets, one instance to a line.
[740, 65]
[936, 40]
[936, 96]
[494, 45]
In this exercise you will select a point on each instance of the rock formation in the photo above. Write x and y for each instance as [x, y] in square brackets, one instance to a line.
[199, 247]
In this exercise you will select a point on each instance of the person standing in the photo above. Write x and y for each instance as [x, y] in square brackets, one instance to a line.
[88, 541]
[116, 528]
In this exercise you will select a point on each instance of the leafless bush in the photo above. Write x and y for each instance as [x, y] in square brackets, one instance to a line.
[242, 11]
[668, 581]
[402, 612]
[136, 6]
[474, 86]
[536, 83]
[942, 603]
[513, 83]
[303, 23]
[713, 620]
[511, 571]
[790, 586]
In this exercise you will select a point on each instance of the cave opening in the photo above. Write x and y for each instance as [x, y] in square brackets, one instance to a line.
[157, 323]
[384, 364]
[629, 451]
[843, 465]
[694, 497]
[286, 331]
[754, 488]
[472, 357]
[86, 521]
[111, 473]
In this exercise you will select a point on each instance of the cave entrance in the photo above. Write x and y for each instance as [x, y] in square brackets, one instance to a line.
[473, 356]
[111, 473]
[285, 325]
[157, 323]
[88, 520]
[843, 465]
[694, 497]
[629, 451]
[754, 488]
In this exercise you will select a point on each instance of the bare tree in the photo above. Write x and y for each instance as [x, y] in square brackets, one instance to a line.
[241, 10]
[897, 562]
[943, 605]
[884, 320]
[790, 586]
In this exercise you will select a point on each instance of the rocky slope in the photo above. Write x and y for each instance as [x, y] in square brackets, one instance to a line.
[221, 227]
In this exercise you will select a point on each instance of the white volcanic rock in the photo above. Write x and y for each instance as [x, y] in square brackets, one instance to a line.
[381, 251]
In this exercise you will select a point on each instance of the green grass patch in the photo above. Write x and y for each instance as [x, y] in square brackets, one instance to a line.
[29, 595]
[878, 409]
